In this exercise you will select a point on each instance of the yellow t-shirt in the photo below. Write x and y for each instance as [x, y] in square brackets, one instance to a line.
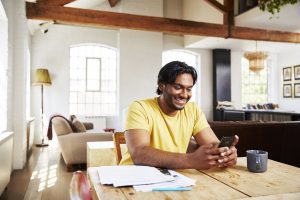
[166, 133]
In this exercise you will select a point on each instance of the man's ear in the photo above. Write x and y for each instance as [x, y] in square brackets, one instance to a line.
[161, 86]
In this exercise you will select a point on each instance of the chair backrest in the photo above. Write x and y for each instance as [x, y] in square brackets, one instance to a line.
[119, 139]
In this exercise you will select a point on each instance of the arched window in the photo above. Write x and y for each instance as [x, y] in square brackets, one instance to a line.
[93, 80]
[190, 58]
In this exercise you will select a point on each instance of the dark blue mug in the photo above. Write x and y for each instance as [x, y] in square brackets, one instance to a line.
[257, 160]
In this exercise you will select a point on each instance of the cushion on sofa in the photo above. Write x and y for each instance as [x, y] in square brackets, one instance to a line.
[61, 126]
[78, 126]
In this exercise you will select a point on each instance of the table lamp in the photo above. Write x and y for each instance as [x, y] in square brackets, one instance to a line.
[42, 78]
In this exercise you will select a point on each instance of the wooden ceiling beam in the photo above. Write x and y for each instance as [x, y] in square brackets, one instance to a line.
[264, 35]
[55, 2]
[228, 16]
[94, 18]
[217, 5]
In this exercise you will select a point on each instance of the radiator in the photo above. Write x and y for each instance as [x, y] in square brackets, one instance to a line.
[6, 149]
[98, 121]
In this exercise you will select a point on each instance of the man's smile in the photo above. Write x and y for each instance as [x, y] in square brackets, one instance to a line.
[180, 101]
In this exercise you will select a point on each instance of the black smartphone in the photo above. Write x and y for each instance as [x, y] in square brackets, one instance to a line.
[226, 141]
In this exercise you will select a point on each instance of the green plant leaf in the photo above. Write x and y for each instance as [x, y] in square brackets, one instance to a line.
[274, 6]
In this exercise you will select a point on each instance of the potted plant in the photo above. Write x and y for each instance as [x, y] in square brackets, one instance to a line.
[274, 6]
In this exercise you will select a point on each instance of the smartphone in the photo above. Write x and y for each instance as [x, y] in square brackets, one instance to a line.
[226, 141]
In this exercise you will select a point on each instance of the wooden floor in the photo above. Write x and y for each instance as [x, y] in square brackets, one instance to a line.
[44, 177]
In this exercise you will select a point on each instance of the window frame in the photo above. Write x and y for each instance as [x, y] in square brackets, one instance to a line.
[102, 103]
[86, 74]
[252, 76]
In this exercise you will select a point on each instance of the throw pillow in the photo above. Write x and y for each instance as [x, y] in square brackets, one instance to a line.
[78, 126]
[72, 117]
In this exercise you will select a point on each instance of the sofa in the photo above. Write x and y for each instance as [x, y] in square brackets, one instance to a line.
[73, 139]
[280, 139]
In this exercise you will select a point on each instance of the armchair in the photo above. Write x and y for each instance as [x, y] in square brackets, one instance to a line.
[73, 144]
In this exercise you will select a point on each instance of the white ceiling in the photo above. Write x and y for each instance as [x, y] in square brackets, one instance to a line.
[86, 3]
[287, 20]
[35, 25]
[244, 45]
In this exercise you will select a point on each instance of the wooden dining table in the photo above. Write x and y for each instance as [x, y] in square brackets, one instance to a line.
[280, 181]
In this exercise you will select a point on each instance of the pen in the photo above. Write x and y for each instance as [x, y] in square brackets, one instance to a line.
[173, 189]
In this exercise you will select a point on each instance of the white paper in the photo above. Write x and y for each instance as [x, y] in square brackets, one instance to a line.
[131, 175]
[179, 182]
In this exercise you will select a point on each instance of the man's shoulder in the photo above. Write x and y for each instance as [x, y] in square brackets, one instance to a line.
[145, 103]
[150, 102]
[191, 106]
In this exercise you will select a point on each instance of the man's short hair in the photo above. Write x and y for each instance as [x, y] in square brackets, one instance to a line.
[169, 72]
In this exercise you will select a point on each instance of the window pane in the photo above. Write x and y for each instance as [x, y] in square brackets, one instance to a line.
[93, 75]
[81, 97]
[73, 109]
[89, 109]
[73, 97]
[254, 85]
[89, 97]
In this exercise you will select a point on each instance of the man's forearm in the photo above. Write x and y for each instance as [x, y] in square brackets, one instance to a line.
[158, 158]
[193, 146]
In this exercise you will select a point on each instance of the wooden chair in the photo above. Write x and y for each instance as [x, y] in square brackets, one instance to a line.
[119, 139]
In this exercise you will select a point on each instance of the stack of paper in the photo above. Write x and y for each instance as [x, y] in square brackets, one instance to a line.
[142, 178]
[180, 183]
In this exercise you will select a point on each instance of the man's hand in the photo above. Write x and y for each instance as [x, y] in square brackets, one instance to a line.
[229, 156]
[206, 156]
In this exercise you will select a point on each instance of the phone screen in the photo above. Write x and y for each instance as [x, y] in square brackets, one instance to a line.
[226, 141]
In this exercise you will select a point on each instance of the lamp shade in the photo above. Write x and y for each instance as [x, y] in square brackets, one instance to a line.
[42, 77]
[256, 60]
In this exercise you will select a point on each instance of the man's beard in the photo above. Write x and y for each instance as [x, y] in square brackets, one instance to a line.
[170, 101]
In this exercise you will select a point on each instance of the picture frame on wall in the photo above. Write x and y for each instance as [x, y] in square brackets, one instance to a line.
[297, 90]
[287, 90]
[287, 73]
[297, 72]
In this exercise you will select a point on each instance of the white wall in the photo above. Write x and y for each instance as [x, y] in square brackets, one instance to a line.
[236, 78]
[18, 45]
[3, 67]
[139, 61]
[51, 51]
[6, 149]
[140, 56]
[200, 11]
[286, 59]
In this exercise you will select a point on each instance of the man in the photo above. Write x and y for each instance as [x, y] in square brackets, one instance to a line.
[159, 130]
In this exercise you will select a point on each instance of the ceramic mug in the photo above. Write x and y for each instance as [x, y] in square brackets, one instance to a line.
[257, 160]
